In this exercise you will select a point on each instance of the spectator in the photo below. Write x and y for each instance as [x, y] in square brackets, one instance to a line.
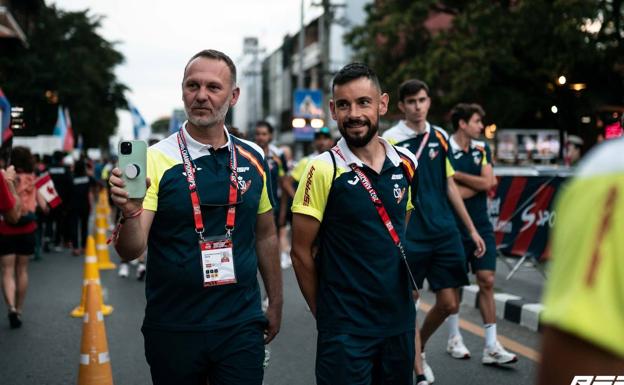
[17, 241]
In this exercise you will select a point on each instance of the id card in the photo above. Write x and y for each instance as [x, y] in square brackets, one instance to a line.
[218, 262]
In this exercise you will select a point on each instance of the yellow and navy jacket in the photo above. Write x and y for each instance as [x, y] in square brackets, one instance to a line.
[363, 284]
[471, 161]
[176, 297]
[585, 289]
[432, 217]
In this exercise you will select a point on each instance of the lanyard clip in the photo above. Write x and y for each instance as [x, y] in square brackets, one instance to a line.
[200, 233]
[228, 232]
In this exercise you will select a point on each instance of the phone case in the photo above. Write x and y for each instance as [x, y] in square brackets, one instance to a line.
[134, 168]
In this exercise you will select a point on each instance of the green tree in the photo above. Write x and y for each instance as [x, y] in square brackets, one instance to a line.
[506, 55]
[161, 125]
[67, 62]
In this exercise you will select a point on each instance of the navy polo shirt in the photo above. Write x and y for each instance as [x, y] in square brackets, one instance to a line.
[364, 287]
[433, 217]
[176, 296]
[471, 161]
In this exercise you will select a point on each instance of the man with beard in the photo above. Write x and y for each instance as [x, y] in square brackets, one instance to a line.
[355, 199]
[208, 222]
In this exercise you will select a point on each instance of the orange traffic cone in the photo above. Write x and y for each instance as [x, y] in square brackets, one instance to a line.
[91, 275]
[95, 367]
[103, 256]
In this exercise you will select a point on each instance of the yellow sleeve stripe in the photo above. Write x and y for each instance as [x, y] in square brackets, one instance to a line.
[265, 202]
[252, 159]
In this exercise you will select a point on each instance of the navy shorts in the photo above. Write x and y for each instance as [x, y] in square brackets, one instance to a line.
[20, 244]
[488, 260]
[223, 357]
[441, 260]
[359, 360]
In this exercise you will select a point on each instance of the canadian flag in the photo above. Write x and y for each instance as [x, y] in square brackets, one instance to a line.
[45, 187]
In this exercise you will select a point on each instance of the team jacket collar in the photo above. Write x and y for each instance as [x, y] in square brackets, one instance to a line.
[456, 147]
[405, 130]
[196, 147]
[391, 153]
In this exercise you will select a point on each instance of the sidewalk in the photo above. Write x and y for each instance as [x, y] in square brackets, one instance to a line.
[518, 299]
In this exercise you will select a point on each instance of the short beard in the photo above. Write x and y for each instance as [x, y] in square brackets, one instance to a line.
[359, 141]
[210, 121]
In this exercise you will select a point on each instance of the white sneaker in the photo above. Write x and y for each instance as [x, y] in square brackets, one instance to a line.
[285, 260]
[124, 270]
[498, 355]
[140, 273]
[456, 348]
[427, 369]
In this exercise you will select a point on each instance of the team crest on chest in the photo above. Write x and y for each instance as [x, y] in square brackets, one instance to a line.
[243, 185]
[399, 193]
[433, 153]
[477, 160]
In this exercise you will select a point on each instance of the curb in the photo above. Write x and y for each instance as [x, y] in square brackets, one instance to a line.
[508, 307]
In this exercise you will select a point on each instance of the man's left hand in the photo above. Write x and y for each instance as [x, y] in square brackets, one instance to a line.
[274, 316]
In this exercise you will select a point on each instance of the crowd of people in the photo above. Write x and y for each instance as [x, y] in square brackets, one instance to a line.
[52, 197]
[366, 219]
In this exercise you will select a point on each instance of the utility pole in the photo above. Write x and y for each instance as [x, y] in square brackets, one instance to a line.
[325, 36]
[300, 74]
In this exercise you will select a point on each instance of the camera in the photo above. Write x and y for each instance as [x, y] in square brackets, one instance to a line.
[126, 148]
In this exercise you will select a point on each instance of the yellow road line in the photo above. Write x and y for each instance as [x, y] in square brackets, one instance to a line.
[508, 343]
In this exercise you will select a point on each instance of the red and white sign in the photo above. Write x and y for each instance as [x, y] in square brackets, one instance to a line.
[45, 187]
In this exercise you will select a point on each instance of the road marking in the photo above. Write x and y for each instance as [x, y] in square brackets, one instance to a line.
[508, 343]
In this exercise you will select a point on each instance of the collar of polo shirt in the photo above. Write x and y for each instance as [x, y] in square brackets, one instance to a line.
[350, 157]
[408, 132]
[197, 149]
[456, 147]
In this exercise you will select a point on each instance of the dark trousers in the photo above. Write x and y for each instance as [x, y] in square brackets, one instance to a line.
[79, 227]
[360, 360]
[226, 356]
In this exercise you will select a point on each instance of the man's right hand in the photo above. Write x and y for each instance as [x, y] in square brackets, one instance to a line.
[119, 195]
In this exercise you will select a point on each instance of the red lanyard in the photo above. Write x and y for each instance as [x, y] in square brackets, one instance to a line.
[190, 177]
[381, 210]
[422, 145]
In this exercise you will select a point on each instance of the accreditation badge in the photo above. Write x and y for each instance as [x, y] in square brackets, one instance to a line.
[217, 261]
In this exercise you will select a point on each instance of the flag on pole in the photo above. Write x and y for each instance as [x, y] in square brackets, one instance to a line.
[68, 141]
[141, 129]
[5, 118]
[60, 128]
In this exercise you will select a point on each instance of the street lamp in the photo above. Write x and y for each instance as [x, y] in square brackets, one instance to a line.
[554, 109]
[562, 80]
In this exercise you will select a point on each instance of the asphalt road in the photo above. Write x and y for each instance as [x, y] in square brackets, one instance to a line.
[45, 351]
